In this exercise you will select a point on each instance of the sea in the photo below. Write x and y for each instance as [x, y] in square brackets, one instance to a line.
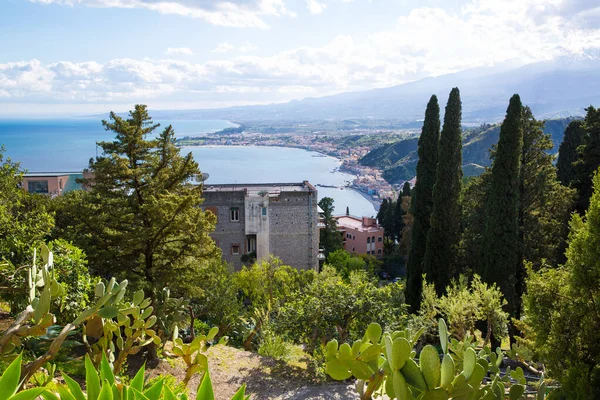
[66, 145]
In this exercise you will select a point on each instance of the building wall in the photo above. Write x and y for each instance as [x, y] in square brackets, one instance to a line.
[355, 239]
[289, 230]
[56, 184]
[228, 233]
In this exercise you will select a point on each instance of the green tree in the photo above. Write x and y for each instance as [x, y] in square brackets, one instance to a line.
[25, 219]
[345, 263]
[562, 308]
[443, 237]
[389, 221]
[406, 189]
[330, 239]
[141, 219]
[382, 211]
[589, 158]
[399, 213]
[567, 152]
[422, 201]
[500, 242]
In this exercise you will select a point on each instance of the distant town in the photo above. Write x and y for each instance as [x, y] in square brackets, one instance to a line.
[349, 148]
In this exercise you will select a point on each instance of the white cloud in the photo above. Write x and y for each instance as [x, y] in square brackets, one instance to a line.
[315, 7]
[425, 42]
[223, 48]
[182, 51]
[232, 13]
[247, 47]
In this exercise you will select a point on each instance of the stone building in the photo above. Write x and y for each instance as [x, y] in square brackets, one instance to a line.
[256, 220]
[361, 235]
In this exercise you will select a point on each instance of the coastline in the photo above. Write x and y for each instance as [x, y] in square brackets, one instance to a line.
[375, 203]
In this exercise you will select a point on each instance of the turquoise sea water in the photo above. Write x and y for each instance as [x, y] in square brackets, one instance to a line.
[67, 145]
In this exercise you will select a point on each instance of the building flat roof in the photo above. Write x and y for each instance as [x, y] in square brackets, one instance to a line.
[345, 221]
[256, 188]
[50, 174]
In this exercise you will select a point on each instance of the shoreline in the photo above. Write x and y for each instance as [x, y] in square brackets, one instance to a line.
[375, 203]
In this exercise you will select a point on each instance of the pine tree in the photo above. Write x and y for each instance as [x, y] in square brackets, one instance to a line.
[142, 219]
[567, 152]
[589, 159]
[422, 201]
[441, 254]
[389, 220]
[500, 242]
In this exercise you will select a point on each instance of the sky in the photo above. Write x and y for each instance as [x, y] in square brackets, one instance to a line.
[74, 57]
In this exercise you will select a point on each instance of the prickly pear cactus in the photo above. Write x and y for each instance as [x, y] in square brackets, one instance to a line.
[120, 327]
[170, 312]
[193, 354]
[384, 363]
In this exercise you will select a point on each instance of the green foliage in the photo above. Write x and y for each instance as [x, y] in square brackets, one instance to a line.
[331, 307]
[588, 160]
[567, 152]
[345, 263]
[71, 272]
[440, 259]
[25, 219]
[141, 219]
[102, 384]
[463, 305]
[217, 302]
[383, 363]
[500, 242]
[268, 283]
[562, 308]
[122, 328]
[330, 239]
[193, 354]
[274, 346]
[10, 383]
[422, 201]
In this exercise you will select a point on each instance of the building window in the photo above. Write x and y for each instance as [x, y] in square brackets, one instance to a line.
[37, 186]
[250, 244]
[264, 211]
[353, 237]
[60, 184]
[373, 239]
[378, 251]
[235, 249]
[368, 240]
[379, 239]
[234, 214]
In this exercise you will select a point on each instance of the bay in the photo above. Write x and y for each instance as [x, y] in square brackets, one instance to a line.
[66, 145]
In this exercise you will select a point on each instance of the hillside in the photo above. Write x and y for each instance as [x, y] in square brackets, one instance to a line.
[399, 160]
[552, 89]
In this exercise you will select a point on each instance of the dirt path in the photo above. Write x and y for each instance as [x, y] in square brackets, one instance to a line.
[265, 378]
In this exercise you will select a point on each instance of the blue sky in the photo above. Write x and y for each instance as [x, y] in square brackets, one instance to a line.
[62, 57]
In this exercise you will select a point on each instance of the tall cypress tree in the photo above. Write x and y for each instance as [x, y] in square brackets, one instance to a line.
[422, 201]
[398, 218]
[589, 159]
[406, 187]
[567, 152]
[444, 235]
[500, 242]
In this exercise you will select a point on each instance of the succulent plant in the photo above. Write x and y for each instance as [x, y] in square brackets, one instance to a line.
[385, 363]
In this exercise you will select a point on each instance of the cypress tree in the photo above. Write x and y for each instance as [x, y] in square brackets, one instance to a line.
[500, 242]
[406, 189]
[381, 211]
[589, 159]
[422, 201]
[444, 235]
[398, 218]
[567, 152]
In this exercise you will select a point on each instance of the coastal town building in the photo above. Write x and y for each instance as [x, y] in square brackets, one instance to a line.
[52, 183]
[257, 220]
[361, 235]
